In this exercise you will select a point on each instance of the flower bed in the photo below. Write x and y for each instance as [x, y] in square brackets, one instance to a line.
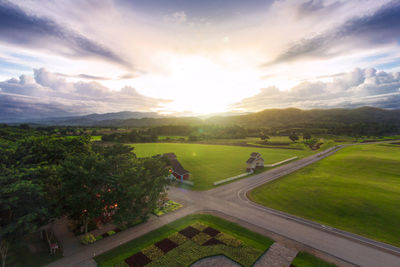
[168, 207]
[194, 242]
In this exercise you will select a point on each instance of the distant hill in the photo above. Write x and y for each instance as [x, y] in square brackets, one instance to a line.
[96, 119]
[269, 118]
[273, 118]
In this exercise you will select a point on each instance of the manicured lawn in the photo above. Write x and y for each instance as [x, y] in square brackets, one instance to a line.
[357, 190]
[304, 259]
[211, 163]
[252, 243]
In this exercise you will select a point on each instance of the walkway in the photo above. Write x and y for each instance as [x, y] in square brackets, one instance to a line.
[277, 256]
[68, 240]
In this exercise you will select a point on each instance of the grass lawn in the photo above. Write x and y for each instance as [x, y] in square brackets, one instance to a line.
[211, 163]
[251, 243]
[304, 259]
[31, 251]
[357, 190]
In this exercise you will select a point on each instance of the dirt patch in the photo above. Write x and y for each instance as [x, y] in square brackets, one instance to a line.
[138, 260]
[189, 232]
[211, 231]
[165, 245]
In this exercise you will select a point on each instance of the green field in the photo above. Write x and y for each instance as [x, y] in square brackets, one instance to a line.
[304, 259]
[357, 190]
[211, 163]
[189, 252]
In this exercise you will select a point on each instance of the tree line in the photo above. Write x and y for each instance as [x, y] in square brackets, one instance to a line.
[44, 177]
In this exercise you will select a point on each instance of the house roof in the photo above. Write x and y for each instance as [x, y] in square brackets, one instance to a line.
[175, 164]
[178, 168]
[250, 160]
[255, 154]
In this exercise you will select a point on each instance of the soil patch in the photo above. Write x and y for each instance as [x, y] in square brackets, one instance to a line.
[166, 245]
[211, 231]
[138, 260]
[189, 232]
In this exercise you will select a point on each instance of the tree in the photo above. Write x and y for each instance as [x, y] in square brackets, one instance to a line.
[110, 182]
[264, 137]
[294, 137]
[306, 136]
[22, 208]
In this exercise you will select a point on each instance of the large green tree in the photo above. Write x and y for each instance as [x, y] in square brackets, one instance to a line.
[110, 181]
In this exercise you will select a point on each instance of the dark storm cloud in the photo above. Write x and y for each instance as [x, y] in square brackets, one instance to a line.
[20, 28]
[382, 27]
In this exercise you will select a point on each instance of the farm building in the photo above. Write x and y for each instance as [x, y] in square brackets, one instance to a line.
[255, 162]
[176, 168]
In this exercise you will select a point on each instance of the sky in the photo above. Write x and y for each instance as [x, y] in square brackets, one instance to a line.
[184, 57]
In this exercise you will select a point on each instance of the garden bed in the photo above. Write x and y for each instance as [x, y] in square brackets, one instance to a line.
[199, 241]
[185, 241]
[168, 207]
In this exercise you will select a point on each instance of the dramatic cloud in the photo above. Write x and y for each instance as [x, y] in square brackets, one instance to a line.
[17, 27]
[47, 94]
[360, 87]
[379, 28]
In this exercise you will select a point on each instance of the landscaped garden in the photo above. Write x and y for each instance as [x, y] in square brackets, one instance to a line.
[187, 240]
[210, 163]
[357, 190]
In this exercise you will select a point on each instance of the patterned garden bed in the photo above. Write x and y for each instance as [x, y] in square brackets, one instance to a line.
[190, 244]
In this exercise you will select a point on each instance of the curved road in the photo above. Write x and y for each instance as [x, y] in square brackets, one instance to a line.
[231, 199]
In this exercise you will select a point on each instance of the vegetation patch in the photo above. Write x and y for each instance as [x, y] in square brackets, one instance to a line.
[357, 189]
[169, 206]
[185, 251]
[304, 259]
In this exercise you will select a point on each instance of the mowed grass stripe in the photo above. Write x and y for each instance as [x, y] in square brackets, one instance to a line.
[356, 189]
[211, 163]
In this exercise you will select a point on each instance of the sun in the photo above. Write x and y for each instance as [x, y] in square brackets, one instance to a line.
[200, 84]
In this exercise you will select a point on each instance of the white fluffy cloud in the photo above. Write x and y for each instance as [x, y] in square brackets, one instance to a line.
[48, 94]
[360, 87]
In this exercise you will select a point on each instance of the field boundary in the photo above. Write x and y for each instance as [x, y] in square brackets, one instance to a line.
[280, 162]
[233, 178]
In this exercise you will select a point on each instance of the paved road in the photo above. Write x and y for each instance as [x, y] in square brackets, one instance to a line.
[231, 200]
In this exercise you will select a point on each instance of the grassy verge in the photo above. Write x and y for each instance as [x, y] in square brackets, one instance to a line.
[304, 259]
[356, 189]
[124, 251]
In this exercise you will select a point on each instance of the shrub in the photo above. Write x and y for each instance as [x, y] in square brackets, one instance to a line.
[87, 239]
[99, 237]
[199, 226]
[228, 240]
[112, 232]
[153, 252]
[177, 238]
[201, 238]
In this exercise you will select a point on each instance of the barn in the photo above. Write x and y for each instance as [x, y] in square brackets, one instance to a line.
[176, 168]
